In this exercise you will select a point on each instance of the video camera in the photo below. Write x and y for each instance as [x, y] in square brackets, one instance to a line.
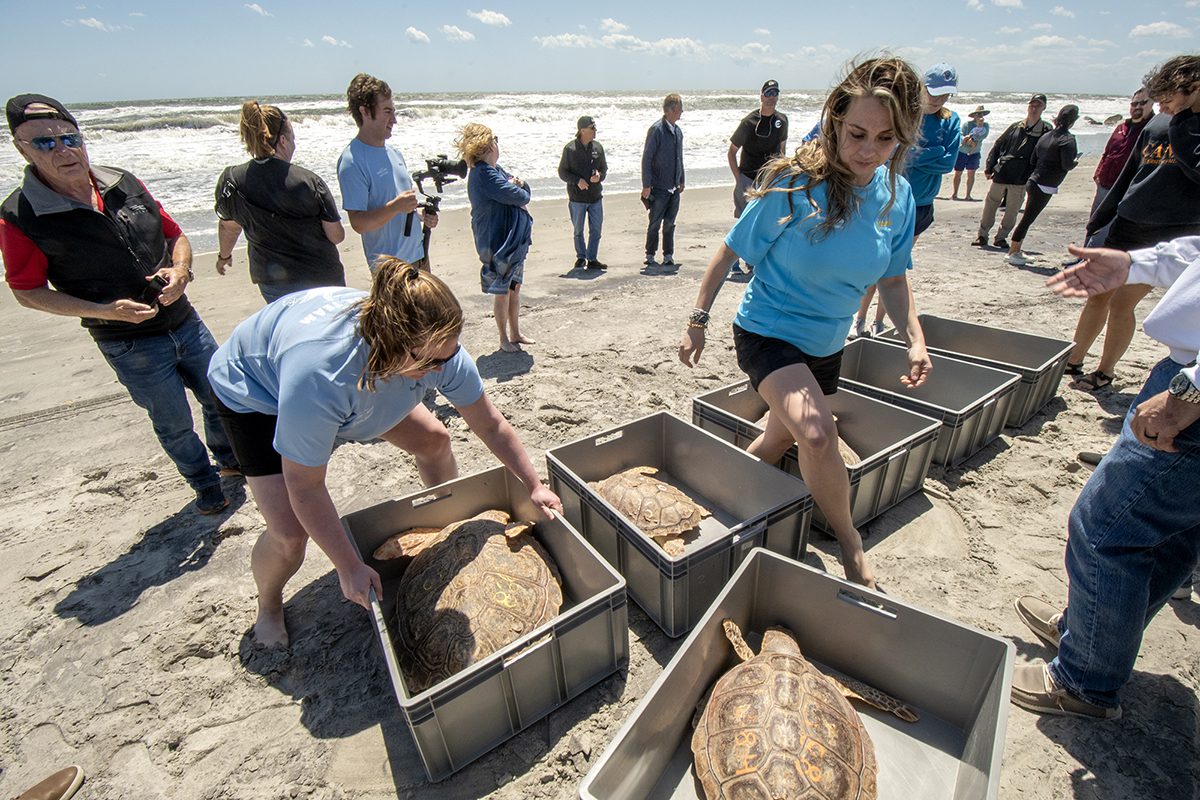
[441, 170]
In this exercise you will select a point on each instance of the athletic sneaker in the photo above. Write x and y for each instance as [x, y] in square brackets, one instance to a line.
[580, 263]
[668, 261]
[594, 264]
[980, 241]
[1017, 259]
[877, 327]
[650, 262]
[859, 328]
[1070, 262]
[1001, 243]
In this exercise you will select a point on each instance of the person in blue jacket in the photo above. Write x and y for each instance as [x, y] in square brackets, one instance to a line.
[822, 226]
[933, 157]
[502, 226]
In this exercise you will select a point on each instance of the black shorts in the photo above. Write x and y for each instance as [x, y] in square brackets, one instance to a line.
[759, 356]
[252, 437]
[923, 219]
[1125, 234]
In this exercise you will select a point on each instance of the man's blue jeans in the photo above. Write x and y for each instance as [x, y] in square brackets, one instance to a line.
[594, 212]
[664, 206]
[1133, 536]
[156, 370]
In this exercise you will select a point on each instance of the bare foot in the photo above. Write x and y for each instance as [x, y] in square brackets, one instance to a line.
[519, 339]
[269, 628]
[510, 347]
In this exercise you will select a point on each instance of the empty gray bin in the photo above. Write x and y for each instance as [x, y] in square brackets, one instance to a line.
[470, 713]
[1039, 360]
[956, 677]
[895, 445]
[752, 504]
[971, 400]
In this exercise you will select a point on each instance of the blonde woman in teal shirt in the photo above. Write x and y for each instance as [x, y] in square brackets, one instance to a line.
[828, 222]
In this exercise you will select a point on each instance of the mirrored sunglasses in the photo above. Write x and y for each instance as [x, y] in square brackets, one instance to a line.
[771, 93]
[47, 144]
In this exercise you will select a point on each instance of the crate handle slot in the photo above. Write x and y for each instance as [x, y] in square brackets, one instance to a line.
[609, 437]
[866, 603]
[745, 387]
[529, 648]
[426, 499]
[901, 452]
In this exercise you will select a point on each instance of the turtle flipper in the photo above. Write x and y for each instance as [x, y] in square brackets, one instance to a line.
[734, 634]
[858, 690]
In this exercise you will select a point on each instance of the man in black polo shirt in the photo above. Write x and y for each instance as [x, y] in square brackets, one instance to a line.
[760, 136]
[117, 260]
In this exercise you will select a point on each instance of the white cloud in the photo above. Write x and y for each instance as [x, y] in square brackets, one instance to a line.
[490, 18]
[457, 34]
[1008, 29]
[566, 40]
[1059, 11]
[257, 9]
[1041, 26]
[610, 25]
[136, 14]
[623, 41]
[329, 40]
[309, 43]
[766, 32]
[1008, 3]
[1049, 41]
[91, 22]
[1160, 29]
[975, 5]
[415, 35]
[679, 47]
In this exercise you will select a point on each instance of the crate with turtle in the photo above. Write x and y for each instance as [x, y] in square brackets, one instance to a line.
[675, 510]
[798, 684]
[491, 617]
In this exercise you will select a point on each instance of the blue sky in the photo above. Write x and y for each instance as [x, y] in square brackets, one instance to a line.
[138, 49]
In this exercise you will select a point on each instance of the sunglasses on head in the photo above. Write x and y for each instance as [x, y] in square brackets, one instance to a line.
[48, 144]
[433, 363]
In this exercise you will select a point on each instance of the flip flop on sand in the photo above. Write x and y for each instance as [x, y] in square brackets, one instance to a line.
[1094, 381]
[1073, 369]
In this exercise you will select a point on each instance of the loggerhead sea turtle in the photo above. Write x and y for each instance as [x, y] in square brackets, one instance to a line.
[660, 510]
[776, 727]
[482, 584]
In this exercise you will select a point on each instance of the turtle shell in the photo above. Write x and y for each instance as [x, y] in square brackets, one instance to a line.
[775, 727]
[659, 509]
[478, 587]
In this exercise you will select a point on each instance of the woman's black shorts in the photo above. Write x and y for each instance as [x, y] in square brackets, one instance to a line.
[252, 437]
[759, 356]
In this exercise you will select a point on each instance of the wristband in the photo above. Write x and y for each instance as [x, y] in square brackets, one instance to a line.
[698, 317]
[224, 258]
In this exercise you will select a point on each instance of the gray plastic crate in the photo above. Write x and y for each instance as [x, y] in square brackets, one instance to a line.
[1039, 360]
[752, 504]
[470, 713]
[971, 400]
[895, 445]
[956, 677]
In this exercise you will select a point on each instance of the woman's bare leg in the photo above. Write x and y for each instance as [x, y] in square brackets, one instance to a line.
[514, 317]
[500, 309]
[1121, 324]
[1091, 322]
[276, 557]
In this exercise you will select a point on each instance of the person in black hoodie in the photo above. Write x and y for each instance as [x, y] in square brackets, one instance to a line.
[584, 169]
[1156, 199]
[1008, 167]
[1056, 154]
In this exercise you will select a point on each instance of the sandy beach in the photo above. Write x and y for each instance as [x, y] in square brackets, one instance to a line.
[124, 646]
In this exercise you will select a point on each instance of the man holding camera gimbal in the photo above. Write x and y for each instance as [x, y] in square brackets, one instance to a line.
[377, 190]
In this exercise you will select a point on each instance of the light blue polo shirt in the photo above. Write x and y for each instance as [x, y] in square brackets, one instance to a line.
[300, 359]
[807, 291]
[370, 177]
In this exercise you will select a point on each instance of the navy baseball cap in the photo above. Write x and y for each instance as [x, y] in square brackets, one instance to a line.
[769, 85]
[585, 122]
[16, 113]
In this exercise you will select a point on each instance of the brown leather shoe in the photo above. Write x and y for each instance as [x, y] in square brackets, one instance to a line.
[1033, 688]
[59, 786]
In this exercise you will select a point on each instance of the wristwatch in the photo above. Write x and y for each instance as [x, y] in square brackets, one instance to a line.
[1181, 387]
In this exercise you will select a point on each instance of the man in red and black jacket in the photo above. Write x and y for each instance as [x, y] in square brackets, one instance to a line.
[91, 242]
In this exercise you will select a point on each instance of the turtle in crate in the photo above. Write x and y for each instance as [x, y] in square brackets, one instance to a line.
[659, 509]
[776, 727]
[475, 587]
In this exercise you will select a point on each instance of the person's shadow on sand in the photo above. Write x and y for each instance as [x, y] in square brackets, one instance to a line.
[184, 542]
[504, 366]
[658, 270]
[582, 274]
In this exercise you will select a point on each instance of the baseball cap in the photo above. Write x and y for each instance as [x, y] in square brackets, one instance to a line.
[1067, 115]
[16, 113]
[585, 122]
[770, 85]
[1041, 98]
[941, 79]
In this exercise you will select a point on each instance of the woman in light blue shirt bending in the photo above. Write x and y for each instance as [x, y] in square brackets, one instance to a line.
[827, 223]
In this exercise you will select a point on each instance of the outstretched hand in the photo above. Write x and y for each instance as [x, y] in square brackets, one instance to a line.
[1102, 271]
[691, 346]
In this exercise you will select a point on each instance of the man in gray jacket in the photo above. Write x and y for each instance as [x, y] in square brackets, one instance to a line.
[662, 178]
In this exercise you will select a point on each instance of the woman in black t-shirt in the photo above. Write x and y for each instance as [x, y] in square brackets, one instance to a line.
[289, 215]
[1056, 154]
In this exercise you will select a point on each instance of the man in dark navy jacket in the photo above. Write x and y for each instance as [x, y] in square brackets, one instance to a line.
[662, 179]
[91, 242]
